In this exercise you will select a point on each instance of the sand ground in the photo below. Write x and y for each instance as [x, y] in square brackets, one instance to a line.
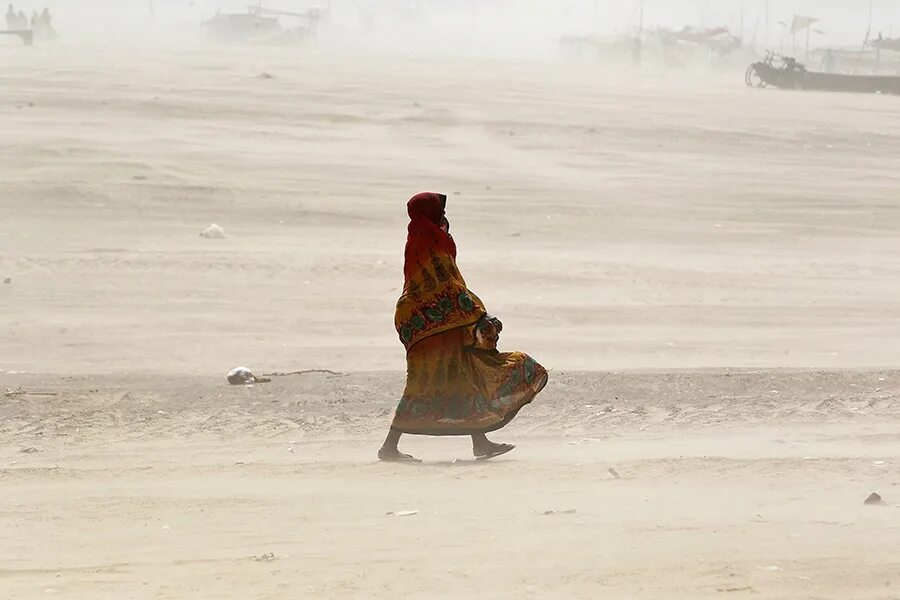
[723, 483]
[711, 272]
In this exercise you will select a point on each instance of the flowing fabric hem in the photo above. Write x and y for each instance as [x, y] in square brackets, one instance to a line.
[472, 431]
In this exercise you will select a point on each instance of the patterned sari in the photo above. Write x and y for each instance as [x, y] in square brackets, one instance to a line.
[456, 384]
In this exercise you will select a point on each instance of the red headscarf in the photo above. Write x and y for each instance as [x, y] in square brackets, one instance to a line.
[427, 205]
[426, 215]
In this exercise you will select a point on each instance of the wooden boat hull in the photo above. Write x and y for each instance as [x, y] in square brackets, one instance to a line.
[801, 79]
[25, 35]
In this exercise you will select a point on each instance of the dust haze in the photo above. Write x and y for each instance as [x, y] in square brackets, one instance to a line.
[528, 28]
[710, 271]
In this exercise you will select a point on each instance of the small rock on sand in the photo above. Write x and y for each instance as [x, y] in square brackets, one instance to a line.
[874, 499]
[7, 280]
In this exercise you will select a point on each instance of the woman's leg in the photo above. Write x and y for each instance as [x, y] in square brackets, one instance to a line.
[484, 448]
[392, 440]
[390, 452]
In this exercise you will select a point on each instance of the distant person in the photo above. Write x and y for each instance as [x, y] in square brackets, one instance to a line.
[878, 50]
[42, 25]
[21, 20]
[10, 18]
[828, 62]
[637, 51]
[366, 18]
[457, 382]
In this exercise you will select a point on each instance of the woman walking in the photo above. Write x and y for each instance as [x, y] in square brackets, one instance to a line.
[457, 382]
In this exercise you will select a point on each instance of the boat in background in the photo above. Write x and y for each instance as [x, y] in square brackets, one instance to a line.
[263, 25]
[785, 72]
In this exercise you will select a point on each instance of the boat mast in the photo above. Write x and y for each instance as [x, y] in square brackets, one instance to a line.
[807, 43]
[868, 35]
[794, 36]
[868, 25]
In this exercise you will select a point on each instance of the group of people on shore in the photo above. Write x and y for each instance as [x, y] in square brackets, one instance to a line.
[40, 24]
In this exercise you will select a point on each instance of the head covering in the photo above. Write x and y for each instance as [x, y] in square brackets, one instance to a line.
[426, 215]
[427, 205]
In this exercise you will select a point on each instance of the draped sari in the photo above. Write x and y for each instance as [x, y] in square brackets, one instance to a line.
[454, 385]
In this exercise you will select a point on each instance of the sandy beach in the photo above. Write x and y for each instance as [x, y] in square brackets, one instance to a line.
[709, 271]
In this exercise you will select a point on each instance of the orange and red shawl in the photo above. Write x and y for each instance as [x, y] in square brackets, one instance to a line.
[435, 297]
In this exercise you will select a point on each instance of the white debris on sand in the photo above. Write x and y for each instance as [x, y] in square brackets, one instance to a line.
[244, 376]
[213, 232]
[267, 557]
